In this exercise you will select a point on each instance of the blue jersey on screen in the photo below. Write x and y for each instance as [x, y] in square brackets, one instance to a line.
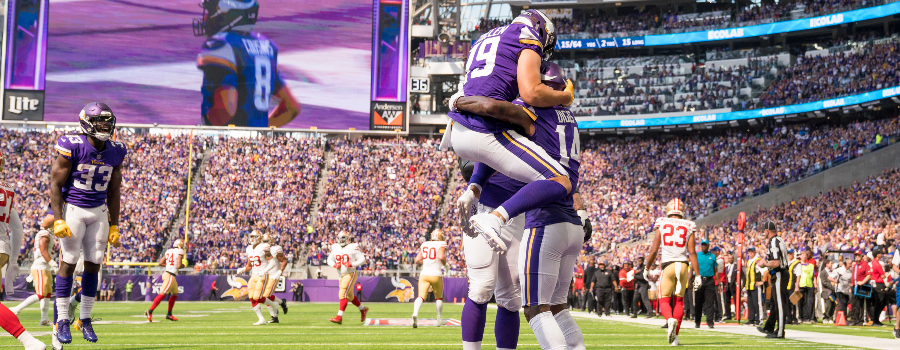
[491, 71]
[556, 131]
[247, 62]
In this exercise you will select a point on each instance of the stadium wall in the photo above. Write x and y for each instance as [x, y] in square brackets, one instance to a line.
[842, 175]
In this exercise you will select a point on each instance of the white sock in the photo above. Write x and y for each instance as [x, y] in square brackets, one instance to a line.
[258, 310]
[62, 309]
[547, 331]
[272, 310]
[340, 312]
[471, 345]
[277, 301]
[416, 306]
[87, 304]
[570, 329]
[25, 303]
[439, 306]
[360, 307]
[45, 309]
[30, 342]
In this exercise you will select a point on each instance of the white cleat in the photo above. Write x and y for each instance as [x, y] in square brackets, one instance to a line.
[488, 225]
[260, 323]
[670, 330]
[54, 342]
[440, 321]
[465, 206]
[675, 343]
[415, 322]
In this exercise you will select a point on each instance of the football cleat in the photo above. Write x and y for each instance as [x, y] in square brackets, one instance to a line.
[488, 225]
[46, 323]
[274, 319]
[415, 322]
[87, 330]
[466, 206]
[171, 318]
[337, 319]
[896, 333]
[260, 323]
[362, 314]
[63, 333]
[148, 315]
[670, 331]
[284, 307]
[54, 342]
[440, 321]
[675, 343]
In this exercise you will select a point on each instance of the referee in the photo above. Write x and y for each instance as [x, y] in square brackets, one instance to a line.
[777, 263]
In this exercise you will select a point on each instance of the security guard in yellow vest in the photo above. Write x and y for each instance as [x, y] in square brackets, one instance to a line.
[754, 287]
[807, 288]
[793, 278]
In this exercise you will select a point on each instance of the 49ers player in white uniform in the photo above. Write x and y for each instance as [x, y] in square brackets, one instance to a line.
[345, 257]
[675, 236]
[260, 263]
[431, 256]
[271, 301]
[172, 261]
[41, 273]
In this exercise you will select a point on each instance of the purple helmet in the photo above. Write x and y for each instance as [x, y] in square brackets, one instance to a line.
[553, 76]
[97, 120]
[543, 26]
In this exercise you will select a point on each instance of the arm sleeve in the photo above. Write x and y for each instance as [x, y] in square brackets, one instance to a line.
[330, 258]
[271, 265]
[360, 259]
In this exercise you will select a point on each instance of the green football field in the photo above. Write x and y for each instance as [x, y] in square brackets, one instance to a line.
[228, 325]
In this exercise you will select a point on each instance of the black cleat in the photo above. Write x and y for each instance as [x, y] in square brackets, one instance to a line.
[274, 319]
[284, 307]
[762, 330]
[772, 335]
[896, 333]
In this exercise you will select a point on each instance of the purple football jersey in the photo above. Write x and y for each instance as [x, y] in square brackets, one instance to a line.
[491, 71]
[91, 170]
[556, 131]
[498, 190]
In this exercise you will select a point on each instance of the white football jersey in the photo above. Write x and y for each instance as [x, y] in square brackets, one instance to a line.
[7, 195]
[431, 265]
[173, 256]
[674, 235]
[39, 262]
[257, 256]
[349, 253]
[275, 250]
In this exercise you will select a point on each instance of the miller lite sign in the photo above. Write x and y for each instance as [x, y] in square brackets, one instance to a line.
[388, 116]
[23, 105]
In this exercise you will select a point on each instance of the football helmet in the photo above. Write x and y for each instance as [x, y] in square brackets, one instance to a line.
[553, 76]
[676, 207]
[543, 26]
[343, 238]
[178, 244]
[255, 237]
[224, 15]
[97, 120]
[266, 238]
[437, 235]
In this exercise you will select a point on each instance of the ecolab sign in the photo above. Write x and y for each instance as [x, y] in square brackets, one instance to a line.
[633, 122]
[725, 34]
[833, 103]
[826, 21]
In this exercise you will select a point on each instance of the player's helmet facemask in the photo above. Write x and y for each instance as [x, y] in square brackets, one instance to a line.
[225, 15]
[544, 28]
[97, 120]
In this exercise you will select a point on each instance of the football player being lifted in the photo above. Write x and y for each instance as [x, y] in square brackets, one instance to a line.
[504, 64]
[675, 240]
[345, 257]
[172, 260]
[240, 68]
[260, 262]
[272, 302]
[9, 254]
[432, 256]
[41, 272]
[85, 184]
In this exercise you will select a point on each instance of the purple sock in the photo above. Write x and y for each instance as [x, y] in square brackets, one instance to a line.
[89, 283]
[474, 316]
[55, 313]
[78, 296]
[534, 195]
[506, 328]
[64, 286]
[480, 174]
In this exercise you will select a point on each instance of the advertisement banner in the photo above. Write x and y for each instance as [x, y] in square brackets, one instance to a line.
[25, 60]
[737, 32]
[756, 113]
[388, 116]
[23, 105]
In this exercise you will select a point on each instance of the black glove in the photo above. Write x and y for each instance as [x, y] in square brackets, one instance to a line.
[588, 230]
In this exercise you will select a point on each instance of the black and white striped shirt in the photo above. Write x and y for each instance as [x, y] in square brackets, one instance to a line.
[778, 252]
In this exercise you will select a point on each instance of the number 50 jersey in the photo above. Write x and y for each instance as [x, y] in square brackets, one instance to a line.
[674, 235]
[91, 170]
[247, 62]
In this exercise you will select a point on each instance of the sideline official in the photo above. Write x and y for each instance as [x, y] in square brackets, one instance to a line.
[777, 263]
[706, 297]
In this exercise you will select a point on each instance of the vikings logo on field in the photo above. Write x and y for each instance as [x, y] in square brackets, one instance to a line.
[238, 289]
[404, 291]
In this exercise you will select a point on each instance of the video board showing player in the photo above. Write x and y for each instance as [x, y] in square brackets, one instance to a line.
[142, 59]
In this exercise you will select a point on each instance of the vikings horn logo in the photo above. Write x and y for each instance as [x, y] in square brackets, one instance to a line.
[404, 291]
[238, 289]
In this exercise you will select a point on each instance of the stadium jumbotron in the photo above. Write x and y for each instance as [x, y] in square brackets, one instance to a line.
[586, 174]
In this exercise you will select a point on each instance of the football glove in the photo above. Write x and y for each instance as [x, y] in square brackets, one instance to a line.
[113, 238]
[240, 271]
[53, 264]
[348, 263]
[275, 275]
[588, 230]
[570, 88]
[337, 266]
[61, 230]
[698, 282]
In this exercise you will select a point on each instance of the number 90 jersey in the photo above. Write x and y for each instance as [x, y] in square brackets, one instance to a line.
[350, 253]
[91, 170]
[431, 265]
[674, 235]
[246, 62]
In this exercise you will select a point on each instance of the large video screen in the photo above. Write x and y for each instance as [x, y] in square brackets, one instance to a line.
[141, 58]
